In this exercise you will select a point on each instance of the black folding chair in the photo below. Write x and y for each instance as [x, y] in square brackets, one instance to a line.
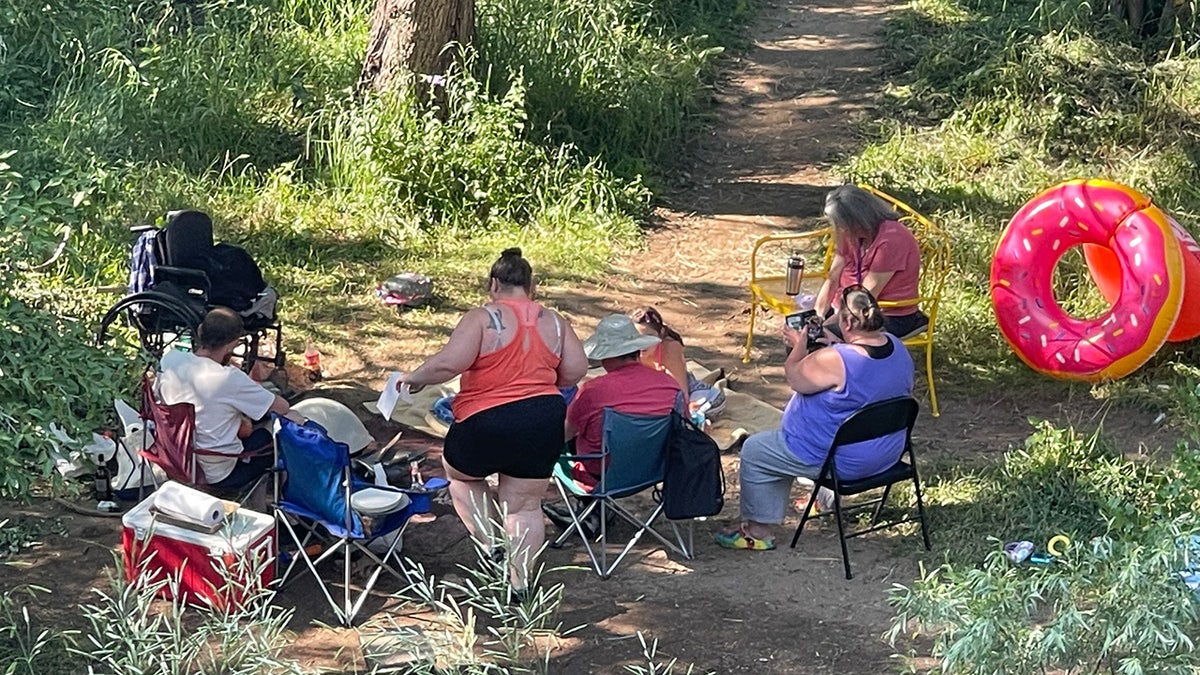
[873, 421]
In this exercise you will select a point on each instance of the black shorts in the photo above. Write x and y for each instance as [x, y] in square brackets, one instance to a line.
[522, 439]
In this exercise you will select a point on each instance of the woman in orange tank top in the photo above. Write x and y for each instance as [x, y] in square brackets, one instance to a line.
[509, 416]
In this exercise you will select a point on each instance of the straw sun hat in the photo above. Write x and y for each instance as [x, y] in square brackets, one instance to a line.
[616, 336]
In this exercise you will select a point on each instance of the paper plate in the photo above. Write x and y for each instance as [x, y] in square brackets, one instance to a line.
[375, 502]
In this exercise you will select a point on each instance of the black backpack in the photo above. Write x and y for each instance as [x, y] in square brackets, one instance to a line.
[233, 276]
[694, 483]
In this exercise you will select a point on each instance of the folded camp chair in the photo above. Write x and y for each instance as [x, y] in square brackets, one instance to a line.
[870, 422]
[173, 448]
[632, 459]
[318, 499]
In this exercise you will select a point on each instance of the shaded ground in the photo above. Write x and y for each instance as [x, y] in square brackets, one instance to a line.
[787, 109]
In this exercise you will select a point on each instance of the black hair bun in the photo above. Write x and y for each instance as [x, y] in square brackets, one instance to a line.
[514, 251]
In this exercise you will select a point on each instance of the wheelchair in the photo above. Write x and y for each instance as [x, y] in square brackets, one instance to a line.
[177, 275]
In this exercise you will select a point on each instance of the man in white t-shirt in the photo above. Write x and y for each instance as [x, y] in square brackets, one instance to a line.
[227, 401]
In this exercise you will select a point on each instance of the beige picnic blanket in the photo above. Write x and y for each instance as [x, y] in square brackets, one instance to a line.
[743, 414]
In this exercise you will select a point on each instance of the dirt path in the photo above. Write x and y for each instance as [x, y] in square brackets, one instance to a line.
[787, 110]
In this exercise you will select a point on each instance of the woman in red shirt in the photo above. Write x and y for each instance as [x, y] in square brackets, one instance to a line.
[513, 355]
[873, 249]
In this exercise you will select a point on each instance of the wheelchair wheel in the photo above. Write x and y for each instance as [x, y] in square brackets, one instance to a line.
[161, 321]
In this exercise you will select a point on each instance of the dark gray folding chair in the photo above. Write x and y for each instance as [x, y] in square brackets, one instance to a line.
[873, 421]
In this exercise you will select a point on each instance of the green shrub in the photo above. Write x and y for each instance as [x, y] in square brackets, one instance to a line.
[50, 370]
[1113, 604]
[465, 166]
[612, 78]
[1059, 482]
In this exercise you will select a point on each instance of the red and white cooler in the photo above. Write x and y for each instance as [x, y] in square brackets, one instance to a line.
[214, 569]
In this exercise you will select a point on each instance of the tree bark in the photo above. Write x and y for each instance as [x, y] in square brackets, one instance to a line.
[409, 38]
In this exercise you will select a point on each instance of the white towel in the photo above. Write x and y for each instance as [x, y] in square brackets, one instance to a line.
[189, 505]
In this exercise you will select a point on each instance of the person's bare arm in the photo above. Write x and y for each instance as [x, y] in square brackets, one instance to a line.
[815, 372]
[279, 406]
[672, 356]
[459, 353]
[572, 363]
[875, 281]
[825, 295]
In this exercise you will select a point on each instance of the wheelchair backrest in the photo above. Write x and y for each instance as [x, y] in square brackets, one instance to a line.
[181, 260]
[189, 239]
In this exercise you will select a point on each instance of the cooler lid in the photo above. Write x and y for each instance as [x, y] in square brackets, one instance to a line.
[241, 528]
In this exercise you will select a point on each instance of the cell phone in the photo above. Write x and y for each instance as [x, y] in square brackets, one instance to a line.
[799, 320]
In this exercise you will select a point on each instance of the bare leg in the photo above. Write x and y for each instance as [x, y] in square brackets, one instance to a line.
[472, 502]
[521, 500]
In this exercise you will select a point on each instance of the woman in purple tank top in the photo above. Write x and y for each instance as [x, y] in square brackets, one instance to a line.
[829, 385]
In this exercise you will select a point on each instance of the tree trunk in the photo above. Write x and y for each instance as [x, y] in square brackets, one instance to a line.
[409, 37]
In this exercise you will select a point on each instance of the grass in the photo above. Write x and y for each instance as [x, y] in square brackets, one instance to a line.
[556, 130]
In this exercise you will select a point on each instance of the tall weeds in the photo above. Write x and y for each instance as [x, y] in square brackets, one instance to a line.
[1112, 602]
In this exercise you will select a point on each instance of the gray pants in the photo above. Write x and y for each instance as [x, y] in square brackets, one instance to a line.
[766, 474]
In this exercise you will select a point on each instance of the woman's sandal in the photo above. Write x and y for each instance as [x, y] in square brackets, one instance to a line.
[738, 539]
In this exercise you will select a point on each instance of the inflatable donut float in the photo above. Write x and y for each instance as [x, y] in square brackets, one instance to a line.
[1146, 291]
[1105, 269]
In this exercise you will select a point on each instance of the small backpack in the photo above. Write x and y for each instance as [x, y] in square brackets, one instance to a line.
[233, 276]
[694, 483]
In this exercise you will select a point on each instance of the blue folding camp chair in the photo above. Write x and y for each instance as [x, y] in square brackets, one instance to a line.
[632, 460]
[318, 500]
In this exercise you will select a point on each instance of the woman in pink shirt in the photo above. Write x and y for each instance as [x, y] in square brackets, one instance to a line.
[874, 249]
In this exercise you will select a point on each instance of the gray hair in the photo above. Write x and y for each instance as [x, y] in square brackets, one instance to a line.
[856, 212]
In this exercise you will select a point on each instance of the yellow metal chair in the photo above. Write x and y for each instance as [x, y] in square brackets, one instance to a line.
[767, 277]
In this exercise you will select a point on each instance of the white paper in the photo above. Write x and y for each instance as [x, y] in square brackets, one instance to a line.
[389, 396]
[380, 475]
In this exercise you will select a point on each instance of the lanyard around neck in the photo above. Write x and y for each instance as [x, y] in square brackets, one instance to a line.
[858, 274]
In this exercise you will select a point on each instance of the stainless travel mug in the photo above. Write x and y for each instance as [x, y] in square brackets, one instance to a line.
[795, 274]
